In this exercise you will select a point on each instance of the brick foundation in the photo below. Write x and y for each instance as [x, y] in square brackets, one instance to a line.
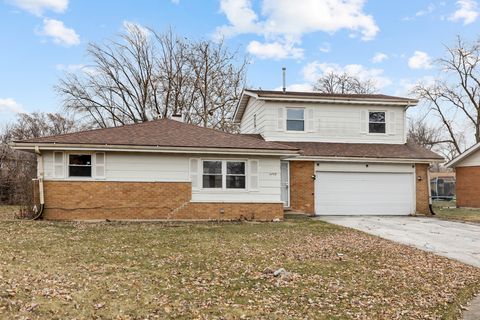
[468, 187]
[302, 194]
[92, 200]
[422, 196]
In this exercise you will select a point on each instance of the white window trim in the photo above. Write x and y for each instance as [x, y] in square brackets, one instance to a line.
[224, 176]
[368, 123]
[286, 120]
[67, 165]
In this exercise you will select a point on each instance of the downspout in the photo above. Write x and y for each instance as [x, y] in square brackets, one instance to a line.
[41, 171]
[430, 202]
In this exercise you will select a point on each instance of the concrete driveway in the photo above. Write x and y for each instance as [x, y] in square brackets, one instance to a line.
[456, 240]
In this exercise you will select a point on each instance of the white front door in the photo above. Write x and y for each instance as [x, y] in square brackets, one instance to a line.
[364, 193]
[285, 183]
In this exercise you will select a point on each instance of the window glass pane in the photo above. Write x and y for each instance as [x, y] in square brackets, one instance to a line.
[212, 167]
[377, 127]
[377, 117]
[74, 171]
[80, 160]
[295, 125]
[235, 167]
[236, 182]
[212, 181]
[295, 114]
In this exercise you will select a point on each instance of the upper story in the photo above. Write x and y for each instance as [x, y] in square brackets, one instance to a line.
[318, 117]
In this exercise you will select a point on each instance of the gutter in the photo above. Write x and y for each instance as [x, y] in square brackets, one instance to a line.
[158, 149]
[357, 159]
[39, 211]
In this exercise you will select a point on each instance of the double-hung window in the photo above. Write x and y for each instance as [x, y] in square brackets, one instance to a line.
[376, 122]
[295, 119]
[80, 165]
[224, 174]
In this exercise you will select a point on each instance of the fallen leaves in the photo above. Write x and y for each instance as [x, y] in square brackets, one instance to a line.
[293, 269]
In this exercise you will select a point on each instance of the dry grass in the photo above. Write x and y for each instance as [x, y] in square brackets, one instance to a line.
[7, 212]
[447, 210]
[221, 271]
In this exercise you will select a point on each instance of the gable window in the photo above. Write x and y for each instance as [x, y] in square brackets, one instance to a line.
[376, 122]
[79, 165]
[295, 119]
[224, 174]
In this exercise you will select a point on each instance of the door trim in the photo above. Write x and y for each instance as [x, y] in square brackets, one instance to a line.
[287, 204]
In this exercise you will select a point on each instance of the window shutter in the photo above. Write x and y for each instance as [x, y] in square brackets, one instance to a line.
[58, 165]
[253, 174]
[100, 165]
[194, 173]
[310, 120]
[364, 121]
[281, 119]
[391, 124]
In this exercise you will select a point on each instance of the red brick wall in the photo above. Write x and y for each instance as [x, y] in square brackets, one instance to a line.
[422, 196]
[302, 197]
[468, 187]
[92, 200]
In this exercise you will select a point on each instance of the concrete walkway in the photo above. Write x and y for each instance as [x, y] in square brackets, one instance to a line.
[456, 240]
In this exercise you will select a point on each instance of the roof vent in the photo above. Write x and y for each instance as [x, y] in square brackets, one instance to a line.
[177, 117]
[284, 81]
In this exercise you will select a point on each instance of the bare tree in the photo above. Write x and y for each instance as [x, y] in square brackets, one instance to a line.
[456, 99]
[344, 83]
[18, 168]
[144, 75]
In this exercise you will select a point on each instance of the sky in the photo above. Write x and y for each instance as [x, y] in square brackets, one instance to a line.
[393, 42]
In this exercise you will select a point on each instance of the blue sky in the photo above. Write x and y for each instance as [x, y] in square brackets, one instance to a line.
[394, 42]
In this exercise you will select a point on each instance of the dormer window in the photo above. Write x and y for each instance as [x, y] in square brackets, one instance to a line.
[295, 119]
[376, 122]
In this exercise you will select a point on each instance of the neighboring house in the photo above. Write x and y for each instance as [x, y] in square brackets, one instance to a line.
[442, 185]
[467, 171]
[310, 152]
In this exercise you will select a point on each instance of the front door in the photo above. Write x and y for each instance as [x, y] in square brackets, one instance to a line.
[285, 182]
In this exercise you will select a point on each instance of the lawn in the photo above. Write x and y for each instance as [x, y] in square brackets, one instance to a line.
[221, 271]
[447, 210]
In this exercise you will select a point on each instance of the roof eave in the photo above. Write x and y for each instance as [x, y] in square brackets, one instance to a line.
[157, 149]
[360, 101]
[365, 159]
[242, 104]
[452, 163]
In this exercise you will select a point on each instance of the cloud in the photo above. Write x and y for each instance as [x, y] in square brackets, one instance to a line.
[420, 60]
[37, 7]
[379, 57]
[175, 1]
[274, 50]
[10, 105]
[131, 27]
[286, 21]
[325, 47]
[467, 11]
[314, 70]
[423, 12]
[60, 34]
[406, 85]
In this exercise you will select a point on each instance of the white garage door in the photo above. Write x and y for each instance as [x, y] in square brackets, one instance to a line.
[361, 193]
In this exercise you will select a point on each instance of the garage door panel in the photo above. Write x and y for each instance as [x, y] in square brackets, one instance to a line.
[358, 193]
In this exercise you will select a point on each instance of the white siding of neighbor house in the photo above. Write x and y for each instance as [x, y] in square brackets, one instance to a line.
[331, 123]
[254, 108]
[472, 160]
[151, 167]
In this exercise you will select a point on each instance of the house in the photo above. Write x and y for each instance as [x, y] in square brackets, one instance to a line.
[442, 185]
[467, 171]
[308, 152]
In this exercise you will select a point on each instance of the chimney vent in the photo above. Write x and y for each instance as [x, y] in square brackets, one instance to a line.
[177, 117]
[284, 81]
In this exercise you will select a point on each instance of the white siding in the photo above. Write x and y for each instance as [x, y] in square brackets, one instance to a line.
[149, 167]
[472, 160]
[254, 108]
[331, 123]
